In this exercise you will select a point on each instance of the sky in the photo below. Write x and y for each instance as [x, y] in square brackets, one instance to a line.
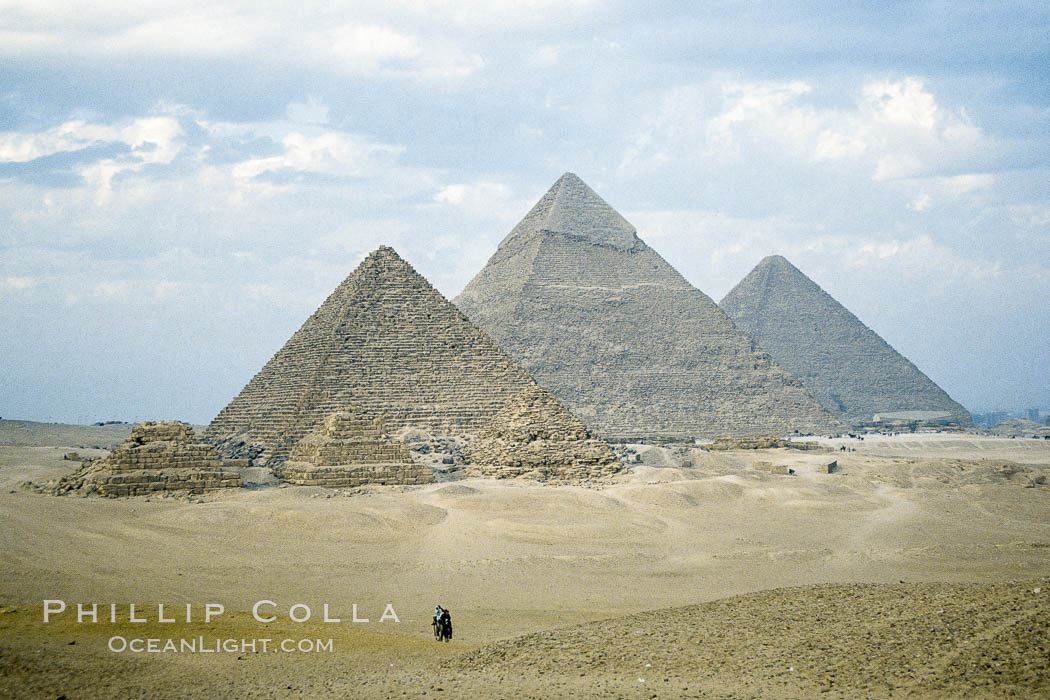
[183, 183]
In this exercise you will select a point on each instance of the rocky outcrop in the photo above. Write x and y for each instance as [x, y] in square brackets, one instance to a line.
[623, 340]
[384, 340]
[351, 449]
[158, 457]
[536, 435]
[845, 364]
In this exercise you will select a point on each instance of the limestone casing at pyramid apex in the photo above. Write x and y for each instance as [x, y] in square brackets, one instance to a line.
[571, 207]
[563, 303]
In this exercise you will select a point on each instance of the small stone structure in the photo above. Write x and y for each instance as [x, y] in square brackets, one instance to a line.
[535, 434]
[758, 442]
[829, 467]
[159, 456]
[351, 449]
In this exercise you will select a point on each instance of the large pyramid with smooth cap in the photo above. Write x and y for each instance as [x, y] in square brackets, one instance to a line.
[610, 328]
[385, 341]
[845, 364]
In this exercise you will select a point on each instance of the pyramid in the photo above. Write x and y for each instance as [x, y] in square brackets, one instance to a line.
[158, 456]
[842, 362]
[386, 341]
[536, 434]
[351, 449]
[614, 332]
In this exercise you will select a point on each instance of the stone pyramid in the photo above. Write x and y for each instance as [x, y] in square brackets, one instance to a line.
[842, 362]
[159, 456]
[351, 449]
[613, 331]
[536, 434]
[384, 340]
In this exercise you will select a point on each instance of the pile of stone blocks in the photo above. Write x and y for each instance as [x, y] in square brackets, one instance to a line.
[759, 442]
[158, 457]
[756, 442]
[350, 449]
[536, 435]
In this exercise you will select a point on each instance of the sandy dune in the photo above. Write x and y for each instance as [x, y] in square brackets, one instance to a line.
[511, 558]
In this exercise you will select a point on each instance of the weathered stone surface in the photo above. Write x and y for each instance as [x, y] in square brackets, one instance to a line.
[159, 456]
[622, 339]
[756, 442]
[351, 449]
[760, 442]
[842, 362]
[536, 435]
[384, 340]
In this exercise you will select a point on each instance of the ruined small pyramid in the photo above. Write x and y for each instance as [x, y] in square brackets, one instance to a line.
[351, 449]
[159, 456]
[384, 340]
[854, 372]
[535, 434]
[623, 340]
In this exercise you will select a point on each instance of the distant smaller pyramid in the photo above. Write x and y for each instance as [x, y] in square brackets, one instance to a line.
[159, 456]
[846, 365]
[351, 449]
[535, 434]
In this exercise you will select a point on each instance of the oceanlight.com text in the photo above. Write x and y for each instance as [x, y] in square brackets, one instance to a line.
[203, 645]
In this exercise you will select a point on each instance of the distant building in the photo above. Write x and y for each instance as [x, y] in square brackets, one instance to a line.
[990, 419]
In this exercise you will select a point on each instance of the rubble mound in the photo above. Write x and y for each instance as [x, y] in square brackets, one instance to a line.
[351, 449]
[536, 435]
[758, 442]
[159, 456]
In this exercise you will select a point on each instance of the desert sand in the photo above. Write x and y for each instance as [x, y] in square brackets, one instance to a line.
[918, 568]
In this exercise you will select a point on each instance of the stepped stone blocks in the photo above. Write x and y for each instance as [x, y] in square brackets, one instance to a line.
[853, 371]
[624, 341]
[384, 340]
[537, 435]
[351, 449]
[159, 456]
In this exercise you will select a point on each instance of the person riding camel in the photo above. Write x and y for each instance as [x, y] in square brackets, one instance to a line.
[442, 623]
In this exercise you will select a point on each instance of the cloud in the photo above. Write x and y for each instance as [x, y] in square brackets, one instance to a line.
[895, 129]
[369, 41]
[330, 153]
[381, 51]
[17, 283]
[475, 195]
[313, 111]
[204, 32]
